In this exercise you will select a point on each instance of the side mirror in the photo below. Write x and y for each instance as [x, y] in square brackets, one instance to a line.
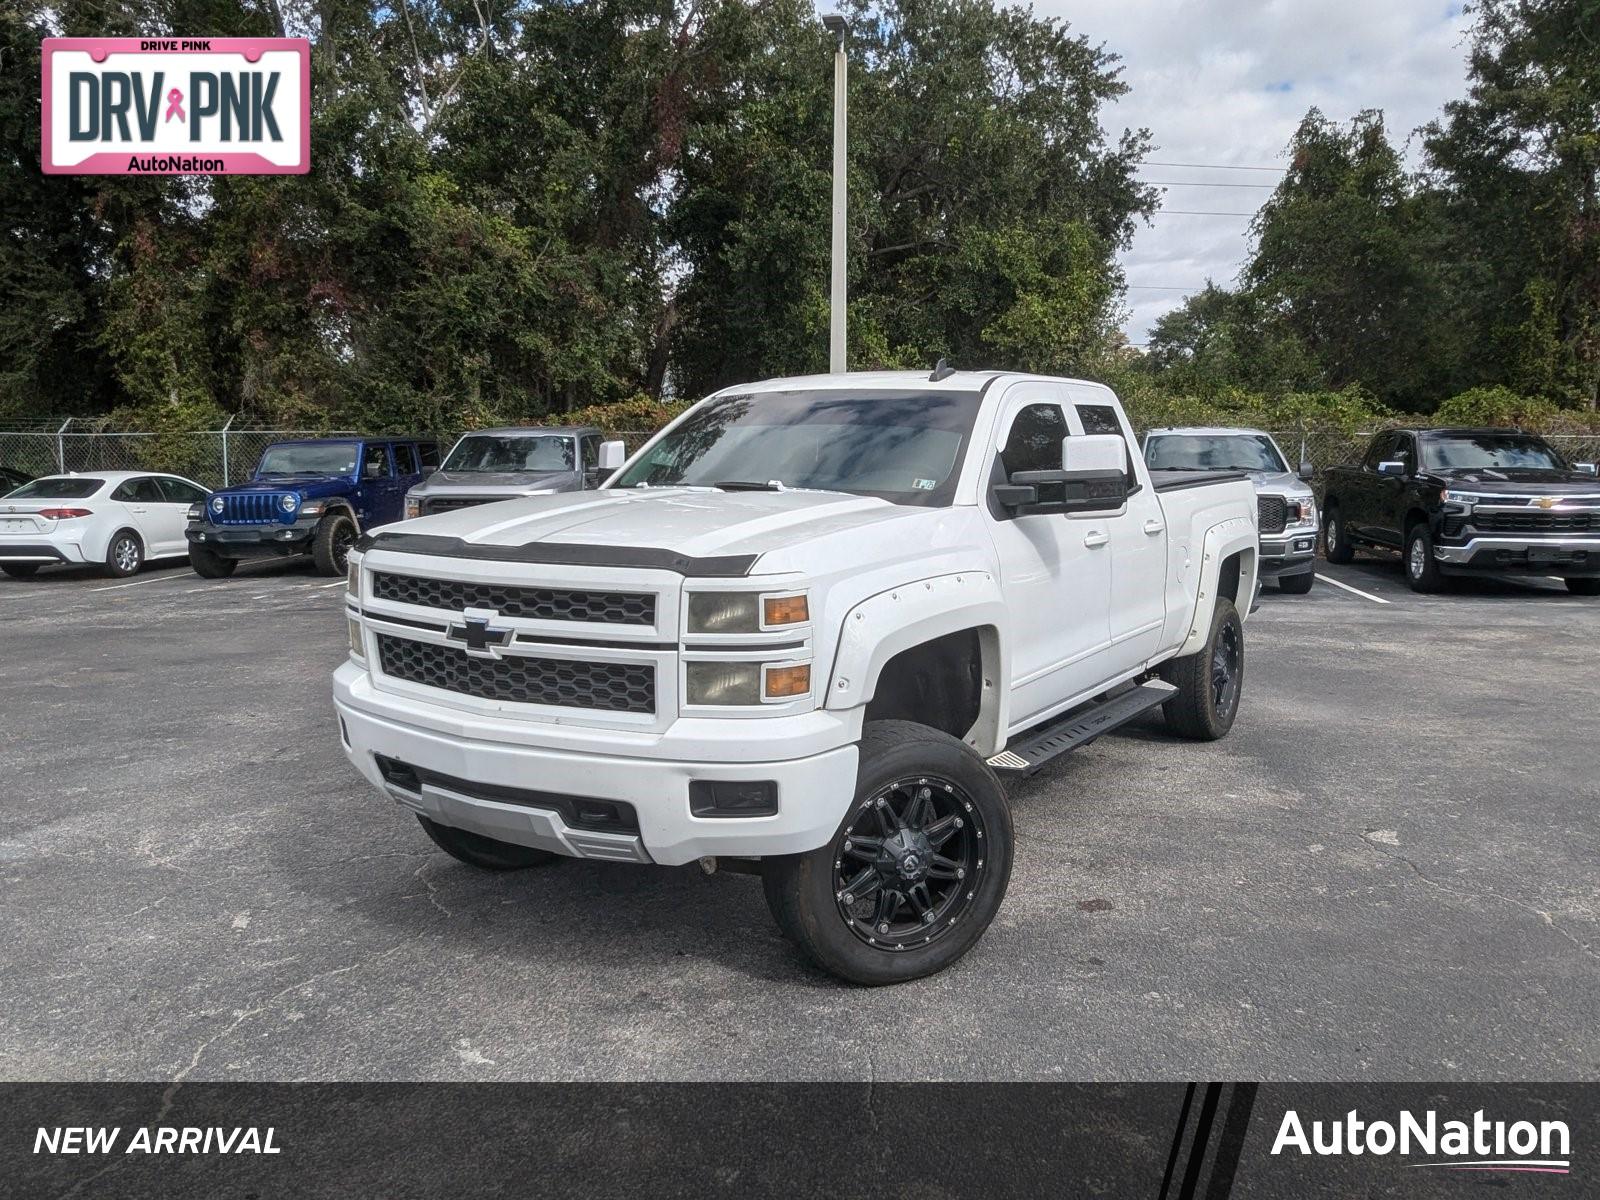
[426, 471]
[1307, 472]
[1584, 468]
[1093, 479]
[1391, 468]
[612, 455]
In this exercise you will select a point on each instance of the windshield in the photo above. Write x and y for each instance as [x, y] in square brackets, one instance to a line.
[904, 447]
[309, 458]
[1213, 452]
[62, 488]
[1510, 450]
[511, 452]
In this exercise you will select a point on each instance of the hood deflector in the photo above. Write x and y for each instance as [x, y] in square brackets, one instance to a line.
[570, 554]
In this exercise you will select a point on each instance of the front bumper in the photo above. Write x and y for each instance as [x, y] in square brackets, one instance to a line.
[1544, 556]
[811, 758]
[1289, 553]
[253, 541]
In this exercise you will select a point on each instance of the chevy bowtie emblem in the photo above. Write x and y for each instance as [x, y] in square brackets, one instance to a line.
[1546, 502]
[481, 638]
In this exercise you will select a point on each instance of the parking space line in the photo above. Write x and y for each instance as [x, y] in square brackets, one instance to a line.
[325, 586]
[136, 583]
[1322, 578]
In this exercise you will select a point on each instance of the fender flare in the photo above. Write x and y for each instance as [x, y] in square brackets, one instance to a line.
[895, 620]
[1237, 535]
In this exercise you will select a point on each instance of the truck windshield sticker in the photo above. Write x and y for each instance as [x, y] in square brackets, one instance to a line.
[926, 485]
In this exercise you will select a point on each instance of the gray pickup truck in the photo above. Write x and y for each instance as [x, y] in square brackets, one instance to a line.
[1286, 507]
[503, 464]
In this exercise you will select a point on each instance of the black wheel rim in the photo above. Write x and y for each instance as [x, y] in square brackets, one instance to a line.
[343, 538]
[1227, 660]
[908, 863]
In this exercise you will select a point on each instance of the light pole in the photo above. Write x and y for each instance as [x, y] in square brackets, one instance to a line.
[840, 28]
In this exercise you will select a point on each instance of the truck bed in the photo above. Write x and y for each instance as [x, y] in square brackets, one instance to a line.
[1173, 481]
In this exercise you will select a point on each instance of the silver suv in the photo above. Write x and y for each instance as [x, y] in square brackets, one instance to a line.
[502, 464]
[1286, 506]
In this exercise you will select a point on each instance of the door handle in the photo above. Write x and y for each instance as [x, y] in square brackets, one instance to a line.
[1153, 527]
[1095, 537]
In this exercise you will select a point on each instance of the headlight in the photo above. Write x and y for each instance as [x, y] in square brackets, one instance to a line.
[217, 505]
[413, 508]
[287, 501]
[1303, 512]
[746, 683]
[357, 650]
[196, 511]
[352, 578]
[1457, 496]
[745, 612]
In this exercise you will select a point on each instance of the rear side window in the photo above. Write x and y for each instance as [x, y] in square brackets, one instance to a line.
[405, 460]
[144, 490]
[1034, 443]
[60, 488]
[1102, 418]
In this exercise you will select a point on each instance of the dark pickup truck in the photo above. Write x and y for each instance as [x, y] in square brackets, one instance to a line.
[1467, 501]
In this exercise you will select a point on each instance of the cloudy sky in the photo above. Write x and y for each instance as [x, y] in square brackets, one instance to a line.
[1227, 81]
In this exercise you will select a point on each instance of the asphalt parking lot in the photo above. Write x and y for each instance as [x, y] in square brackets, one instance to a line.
[1387, 871]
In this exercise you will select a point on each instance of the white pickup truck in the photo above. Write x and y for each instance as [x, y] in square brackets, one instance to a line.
[803, 631]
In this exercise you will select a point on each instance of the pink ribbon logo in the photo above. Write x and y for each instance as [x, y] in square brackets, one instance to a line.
[175, 105]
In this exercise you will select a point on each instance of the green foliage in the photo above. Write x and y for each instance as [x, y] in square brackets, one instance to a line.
[1497, 405]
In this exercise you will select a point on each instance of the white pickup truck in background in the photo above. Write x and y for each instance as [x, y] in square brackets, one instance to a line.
[803, 631]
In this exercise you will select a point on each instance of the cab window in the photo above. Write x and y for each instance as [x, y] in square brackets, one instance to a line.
[1034, 443]
[376, 465]
[590, 448]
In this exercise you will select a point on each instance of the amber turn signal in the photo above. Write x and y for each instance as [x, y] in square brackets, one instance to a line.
[783, 682]
[785, 610]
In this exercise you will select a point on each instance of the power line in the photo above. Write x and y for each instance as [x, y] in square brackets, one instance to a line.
[1190, 212]
[1150, 162]
[1196, 183]
[1165, 287]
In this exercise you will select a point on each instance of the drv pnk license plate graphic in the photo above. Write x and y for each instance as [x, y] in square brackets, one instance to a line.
[176, 106]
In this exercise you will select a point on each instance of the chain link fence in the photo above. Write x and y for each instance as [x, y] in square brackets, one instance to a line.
[219, 457]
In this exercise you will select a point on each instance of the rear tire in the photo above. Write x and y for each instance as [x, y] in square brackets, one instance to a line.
[1335, 540]
[210, 565]
[125, 555]
[1583, 585]
[1210, 681]
[485, 853]
[930, 847]
[1297, 585]
[330, 546]
[1422, 571]
[19, 570]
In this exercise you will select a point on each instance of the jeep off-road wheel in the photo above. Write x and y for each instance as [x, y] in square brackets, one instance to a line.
[208, 564]
[916, 870]
[19, 570]
[1297, 585]
[330, 545]
[478, 851]
[1209, 681]
[125, 555]
[1583, 585]
[1422, 572]
[1335, 539]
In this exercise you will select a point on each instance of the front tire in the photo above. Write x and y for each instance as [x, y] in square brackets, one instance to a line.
[210, 565]
[1335, 540]
[1583, 585]
[125, 555]
[485, 853]
[330, 546]
[1297, 585]
[1422, 571]
[915, 872]
[20, 570]
[1209, 681]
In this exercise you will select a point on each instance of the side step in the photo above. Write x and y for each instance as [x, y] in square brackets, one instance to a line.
[1034, 748]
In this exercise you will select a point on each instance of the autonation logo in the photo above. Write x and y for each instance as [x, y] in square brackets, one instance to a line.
[1476, 1145]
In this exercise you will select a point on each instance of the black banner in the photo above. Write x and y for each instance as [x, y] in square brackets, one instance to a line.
[1167, 1141]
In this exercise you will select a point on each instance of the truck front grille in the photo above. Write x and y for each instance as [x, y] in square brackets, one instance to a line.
[1272, 513]
[438, 504]
[249, 508]
[606, 686]
[1537, 522]
[543, 604]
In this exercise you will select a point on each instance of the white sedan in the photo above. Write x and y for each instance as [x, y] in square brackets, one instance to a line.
[113, 519]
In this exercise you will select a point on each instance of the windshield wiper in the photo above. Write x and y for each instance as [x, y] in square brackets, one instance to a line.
[746, 485]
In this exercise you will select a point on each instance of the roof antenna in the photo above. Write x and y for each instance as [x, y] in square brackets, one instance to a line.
[941, 371]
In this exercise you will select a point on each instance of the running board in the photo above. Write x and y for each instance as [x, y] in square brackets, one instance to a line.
[1034, 748]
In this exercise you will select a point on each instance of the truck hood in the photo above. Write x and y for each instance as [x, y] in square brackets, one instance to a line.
[1280, 483]
[476, 482]
[1518, 480]
[307, 487]
[692, 521]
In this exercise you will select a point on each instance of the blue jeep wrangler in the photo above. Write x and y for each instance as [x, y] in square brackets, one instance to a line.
[312, 497]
